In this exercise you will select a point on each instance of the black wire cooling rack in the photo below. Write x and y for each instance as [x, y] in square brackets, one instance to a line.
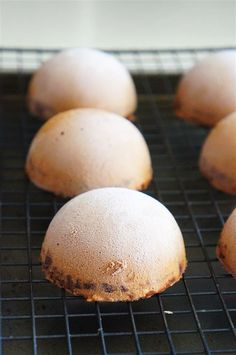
[195, 316]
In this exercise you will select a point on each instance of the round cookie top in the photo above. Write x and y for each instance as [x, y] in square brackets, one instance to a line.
[218, 155]
[82, 149]
[115, 239]
[81, 77]
[206, 93]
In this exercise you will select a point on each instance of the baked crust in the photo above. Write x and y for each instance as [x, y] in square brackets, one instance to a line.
[220, 180]
[93, 291]
[206, 93]
[84, 149]
[80, 78]
[113, 244]
[218, 155]
[226, 247]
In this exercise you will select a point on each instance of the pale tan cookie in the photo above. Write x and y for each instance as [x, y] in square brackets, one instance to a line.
[226, 248]
[83, 149]
[218, 155]
[113, 244]
[207, 93]
[81, 78]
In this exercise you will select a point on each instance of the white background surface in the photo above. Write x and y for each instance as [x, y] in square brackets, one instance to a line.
[117, 24]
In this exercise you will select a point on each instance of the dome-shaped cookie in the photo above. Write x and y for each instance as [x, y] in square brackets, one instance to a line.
[81, 78]
[218, 155]
[226, 248]
[207, 92]
[83, 149]
[113, 244]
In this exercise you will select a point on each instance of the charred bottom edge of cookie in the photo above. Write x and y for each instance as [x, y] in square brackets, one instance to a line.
[189, 116]
[104, 292]
[217, 178]
[221, 255]
[39, 109]
[144, 185]
[132, 117]
[203, 117]
[39, 177]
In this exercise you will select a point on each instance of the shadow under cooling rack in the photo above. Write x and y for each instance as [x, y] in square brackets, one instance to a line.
[195, 316]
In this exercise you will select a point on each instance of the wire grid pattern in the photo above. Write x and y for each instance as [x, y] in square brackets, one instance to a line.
[195, 316]
[164, 59]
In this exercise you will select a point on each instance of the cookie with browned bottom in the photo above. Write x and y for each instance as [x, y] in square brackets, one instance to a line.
[81, 77]
[218, 155]
[113, 244]
[206, 93]
[83, 149]
[226, 248]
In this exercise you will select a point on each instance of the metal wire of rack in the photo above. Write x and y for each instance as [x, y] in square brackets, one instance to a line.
[195, 316]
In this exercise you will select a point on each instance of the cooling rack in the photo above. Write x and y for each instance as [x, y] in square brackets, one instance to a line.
[195, 316]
